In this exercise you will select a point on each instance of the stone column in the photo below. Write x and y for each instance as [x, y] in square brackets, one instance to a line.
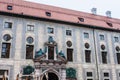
[63, 74]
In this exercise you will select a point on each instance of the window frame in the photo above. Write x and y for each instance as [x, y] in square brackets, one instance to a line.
[68, 32]
[86, 35]
[30, 27]
[70, 55]
[8, 25]
[50, 30]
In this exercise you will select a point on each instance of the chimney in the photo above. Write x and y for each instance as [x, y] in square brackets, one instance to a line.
[108, 14]
[94, 10]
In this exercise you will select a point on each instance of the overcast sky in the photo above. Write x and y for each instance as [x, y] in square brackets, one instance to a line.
[86, 5]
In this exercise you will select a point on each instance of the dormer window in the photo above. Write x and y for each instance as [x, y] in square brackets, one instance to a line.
[81, 19]
[9, 7]
[48, 14]
[109, 24]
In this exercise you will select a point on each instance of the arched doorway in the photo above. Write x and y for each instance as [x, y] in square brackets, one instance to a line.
[50, 76]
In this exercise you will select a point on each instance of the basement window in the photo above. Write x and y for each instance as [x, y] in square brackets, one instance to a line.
[81, 19]
[9, 7]
[109, 24]
[48, 14]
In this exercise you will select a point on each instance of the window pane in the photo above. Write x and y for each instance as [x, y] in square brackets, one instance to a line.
[101, 37]
[89, 74]
[50, 52]
[8, 25]
[116, 39]
[87, 55]
[30, 40]
[104, 57]
[5, 50]
[106, 74]
[29, 51]
[118, 58]
[86, 35]
[50, 30]
[68, 32]
[30, 27]
[70, 54]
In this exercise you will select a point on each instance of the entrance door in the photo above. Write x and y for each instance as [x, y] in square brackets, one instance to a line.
[51, 76]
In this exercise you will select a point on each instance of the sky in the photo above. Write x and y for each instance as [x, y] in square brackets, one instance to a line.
[86, 5]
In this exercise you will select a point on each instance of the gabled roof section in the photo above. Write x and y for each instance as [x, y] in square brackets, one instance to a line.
[55, 13]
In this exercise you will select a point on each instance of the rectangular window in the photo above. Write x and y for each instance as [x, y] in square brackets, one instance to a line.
[89, 79]
[106, 74]
[7, 25]
[104, 57]
[118, 58]
[106, 79]
[30, 27]
[29, 51]
[51, 52]
[101, 37]
[3, 73]
[70, 54]
[68, 32]
[5, 50]
[88, 56]
[50, 30]
[86, 35]
[116, 39]
[89, 74]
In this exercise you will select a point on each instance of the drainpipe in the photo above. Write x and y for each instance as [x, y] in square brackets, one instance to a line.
[96, 54]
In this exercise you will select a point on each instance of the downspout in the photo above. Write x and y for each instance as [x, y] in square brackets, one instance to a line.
[96, 55]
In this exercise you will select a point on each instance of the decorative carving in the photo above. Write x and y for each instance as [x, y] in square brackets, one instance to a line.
[39, 53]
[61, 54]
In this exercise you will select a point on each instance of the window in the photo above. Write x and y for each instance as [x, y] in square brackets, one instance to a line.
[81, 19]
[30, 40]
[109, 24]
[89, 79]
[118, 58]
[106, 74]
[29, 51]
[86, 35]
[101, 37]
[8, 25]
[70, 54]
[68, 32]
[87, 56]
[48, 14]
[116, 39]
[50, 30]
[89, 74]
[9, 7]
[5, 73]
[30, 27]
[5, 50]
[104, 57]
[6, 37]
[51, 52]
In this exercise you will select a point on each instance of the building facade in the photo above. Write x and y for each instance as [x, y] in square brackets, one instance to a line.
[41, 42]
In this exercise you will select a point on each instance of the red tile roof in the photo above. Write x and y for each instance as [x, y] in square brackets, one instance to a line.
[61, 14]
